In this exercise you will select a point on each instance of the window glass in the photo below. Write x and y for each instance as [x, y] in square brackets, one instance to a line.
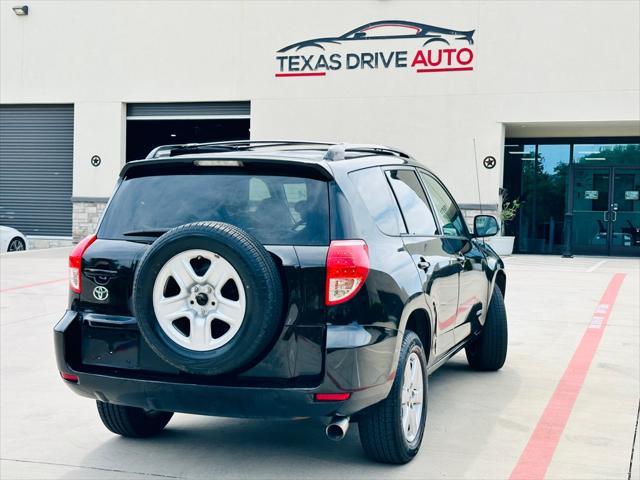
[448, 213]
[413, 202]
[375, 193]
[277, 210]
[602, 154]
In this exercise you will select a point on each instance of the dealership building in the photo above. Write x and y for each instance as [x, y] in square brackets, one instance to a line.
[537, 102]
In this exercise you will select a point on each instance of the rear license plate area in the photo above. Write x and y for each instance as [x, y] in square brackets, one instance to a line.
[110, 347]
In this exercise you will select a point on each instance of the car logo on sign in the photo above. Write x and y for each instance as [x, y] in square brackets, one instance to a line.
[100, 293]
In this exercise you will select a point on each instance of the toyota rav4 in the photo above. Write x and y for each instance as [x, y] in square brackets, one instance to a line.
[279, 280]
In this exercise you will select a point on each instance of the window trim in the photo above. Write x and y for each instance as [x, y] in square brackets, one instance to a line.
[429, 202]
[467, 234]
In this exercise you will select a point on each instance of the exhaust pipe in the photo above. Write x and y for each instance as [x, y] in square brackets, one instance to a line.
[337, 428]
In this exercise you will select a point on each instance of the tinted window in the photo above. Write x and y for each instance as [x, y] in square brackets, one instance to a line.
[275, 209]
[413, 202]
[448, 213]
[374, 190]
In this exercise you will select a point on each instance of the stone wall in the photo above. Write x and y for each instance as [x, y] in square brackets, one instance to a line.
[86, 214]
[37, 242]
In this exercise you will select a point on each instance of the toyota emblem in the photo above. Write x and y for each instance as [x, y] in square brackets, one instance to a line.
[101, 293]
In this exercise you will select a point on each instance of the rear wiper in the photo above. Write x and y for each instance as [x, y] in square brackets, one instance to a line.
[145, 233]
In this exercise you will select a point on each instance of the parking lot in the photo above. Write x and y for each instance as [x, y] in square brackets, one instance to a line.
[564, 406]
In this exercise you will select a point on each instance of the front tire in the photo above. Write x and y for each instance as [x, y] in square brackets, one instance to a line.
[391, 431]
[131, 421]
[488, 351]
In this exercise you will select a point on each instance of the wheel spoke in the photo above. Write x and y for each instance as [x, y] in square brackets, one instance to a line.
[200, 334]
[405, 418]
[182, 272]
[168, 309]
[414, 368]
[417, 399]
[406, 395]
[229, 312]
[413, 421]
[218, 274]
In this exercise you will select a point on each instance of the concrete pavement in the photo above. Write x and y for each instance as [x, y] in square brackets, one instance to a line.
[478, 424]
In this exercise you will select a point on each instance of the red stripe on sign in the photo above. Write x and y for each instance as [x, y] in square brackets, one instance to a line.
[537, 455]
[310, 74]
[9, 289]
[452, 69]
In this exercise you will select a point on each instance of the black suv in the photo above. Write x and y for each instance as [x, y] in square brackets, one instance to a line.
[279, 279]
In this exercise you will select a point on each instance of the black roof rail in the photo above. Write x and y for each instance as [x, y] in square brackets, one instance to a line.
[335, 151]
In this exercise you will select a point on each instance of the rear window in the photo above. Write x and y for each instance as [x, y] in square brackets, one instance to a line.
[277, 210]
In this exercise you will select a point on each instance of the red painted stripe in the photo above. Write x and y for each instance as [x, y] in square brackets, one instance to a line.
[451, 69]
[537, 455]
[308, 74]
[37, 284]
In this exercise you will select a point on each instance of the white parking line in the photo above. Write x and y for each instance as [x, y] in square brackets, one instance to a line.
[597, 265]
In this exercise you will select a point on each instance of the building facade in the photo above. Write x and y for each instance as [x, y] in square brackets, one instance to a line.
[537, 102]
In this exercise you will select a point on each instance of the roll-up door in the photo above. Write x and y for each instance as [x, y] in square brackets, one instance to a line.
[36, 168]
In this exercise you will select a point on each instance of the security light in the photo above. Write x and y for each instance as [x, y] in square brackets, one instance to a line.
[21, 11]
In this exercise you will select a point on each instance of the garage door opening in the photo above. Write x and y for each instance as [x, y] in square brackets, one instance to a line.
[152, 124]
[144, 136]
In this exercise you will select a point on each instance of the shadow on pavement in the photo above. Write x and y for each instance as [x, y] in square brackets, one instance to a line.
[208, 447]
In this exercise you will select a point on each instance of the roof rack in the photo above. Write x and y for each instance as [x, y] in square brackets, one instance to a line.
[335, 151]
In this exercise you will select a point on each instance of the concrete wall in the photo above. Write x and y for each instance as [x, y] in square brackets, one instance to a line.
[535, 62]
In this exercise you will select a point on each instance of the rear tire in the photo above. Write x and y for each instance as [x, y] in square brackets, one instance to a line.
[131, 421]
[488, 351]
[382, 434]
[16, 245]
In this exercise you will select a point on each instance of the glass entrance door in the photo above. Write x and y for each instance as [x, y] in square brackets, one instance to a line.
[625, 212]
[606, 211]
[591, 210]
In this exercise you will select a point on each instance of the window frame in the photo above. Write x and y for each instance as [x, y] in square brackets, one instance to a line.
[466, 234]
[429, 202]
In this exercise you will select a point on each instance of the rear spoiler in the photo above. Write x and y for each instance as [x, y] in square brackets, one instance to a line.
[222, 161]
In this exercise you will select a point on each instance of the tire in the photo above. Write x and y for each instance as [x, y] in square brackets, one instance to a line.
[488, 351]
[380, 426]
[263, 297]
[16, 245]
[131, 421]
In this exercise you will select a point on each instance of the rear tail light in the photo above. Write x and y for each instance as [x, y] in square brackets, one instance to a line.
[75, 262]
[331, 397]
[347, 269]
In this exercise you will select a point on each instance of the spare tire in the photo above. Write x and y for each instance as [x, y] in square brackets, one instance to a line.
[208, 298]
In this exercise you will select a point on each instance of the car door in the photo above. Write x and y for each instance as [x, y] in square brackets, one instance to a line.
[473, 281]
[431, 252]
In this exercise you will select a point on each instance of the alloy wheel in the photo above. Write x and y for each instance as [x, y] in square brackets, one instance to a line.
[199, 300]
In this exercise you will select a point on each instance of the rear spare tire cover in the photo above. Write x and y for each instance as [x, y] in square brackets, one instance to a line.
[208, 298]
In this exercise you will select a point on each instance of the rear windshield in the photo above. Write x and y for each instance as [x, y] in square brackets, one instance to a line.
[277, 210]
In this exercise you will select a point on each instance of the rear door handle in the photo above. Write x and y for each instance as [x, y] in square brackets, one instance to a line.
[423, 264]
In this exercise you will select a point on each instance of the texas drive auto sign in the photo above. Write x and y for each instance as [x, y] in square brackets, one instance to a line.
[434, 49]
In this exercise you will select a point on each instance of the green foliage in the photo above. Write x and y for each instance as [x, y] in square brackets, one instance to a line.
[509, 209]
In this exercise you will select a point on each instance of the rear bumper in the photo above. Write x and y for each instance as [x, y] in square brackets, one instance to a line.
[358, 360]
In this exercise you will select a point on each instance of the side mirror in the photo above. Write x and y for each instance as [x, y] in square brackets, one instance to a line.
[359, 34]
[485, 226]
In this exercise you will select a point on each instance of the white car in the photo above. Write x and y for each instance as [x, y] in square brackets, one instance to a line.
[11, 240]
